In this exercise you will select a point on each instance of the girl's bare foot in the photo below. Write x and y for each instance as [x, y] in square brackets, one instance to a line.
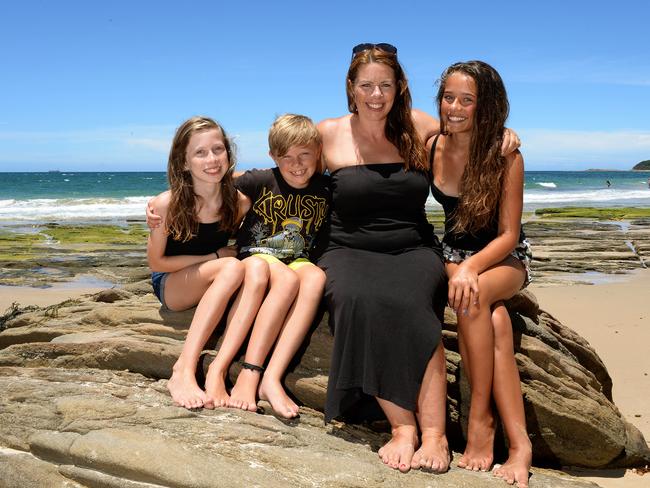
[184, 389]
[516, 468]
[479, 452]
[398, 452]
[244, 393]
[433, 454]
[215, 388]
[272, 391]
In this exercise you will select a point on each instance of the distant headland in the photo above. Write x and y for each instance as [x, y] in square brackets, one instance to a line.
[642, 166]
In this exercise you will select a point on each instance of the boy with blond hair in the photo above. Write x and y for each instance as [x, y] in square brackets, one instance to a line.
[288, 205]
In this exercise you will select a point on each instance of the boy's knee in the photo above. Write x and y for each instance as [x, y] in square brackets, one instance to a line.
[257, 272]
[312, 278]
[285, 277]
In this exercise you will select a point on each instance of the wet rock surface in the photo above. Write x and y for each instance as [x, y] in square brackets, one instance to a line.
[587, 246]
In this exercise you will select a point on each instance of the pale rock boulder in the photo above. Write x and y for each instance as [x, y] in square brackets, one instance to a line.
[99, 428]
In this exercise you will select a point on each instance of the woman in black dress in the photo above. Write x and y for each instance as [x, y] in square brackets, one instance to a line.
[386, 284]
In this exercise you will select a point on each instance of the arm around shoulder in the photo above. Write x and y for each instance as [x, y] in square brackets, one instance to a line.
[153, 210]
[426, 125]
[157, 235]
[244, 204]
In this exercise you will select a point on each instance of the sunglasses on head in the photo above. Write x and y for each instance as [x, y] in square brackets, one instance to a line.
[382, 46]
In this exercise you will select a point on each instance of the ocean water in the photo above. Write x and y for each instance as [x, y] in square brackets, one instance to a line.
[586, 188]
[116, 197]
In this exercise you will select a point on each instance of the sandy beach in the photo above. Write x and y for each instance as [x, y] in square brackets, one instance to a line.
[41, 297]
[613, 316]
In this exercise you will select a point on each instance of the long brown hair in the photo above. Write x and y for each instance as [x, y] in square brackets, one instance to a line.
[182, 220]
[485, 172]
[400, 128]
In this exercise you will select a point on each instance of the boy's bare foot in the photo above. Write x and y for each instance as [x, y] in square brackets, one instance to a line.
[398, 452]
[479, 452]
[243, 394]
[184, 389]
[516, 468]
[215, 388]
[433, 454]
[272, 392]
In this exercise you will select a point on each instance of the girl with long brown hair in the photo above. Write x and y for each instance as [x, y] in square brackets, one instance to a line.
[191, 262]
[487, 257]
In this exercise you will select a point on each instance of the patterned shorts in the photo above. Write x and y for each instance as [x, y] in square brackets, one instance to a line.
[522, 252]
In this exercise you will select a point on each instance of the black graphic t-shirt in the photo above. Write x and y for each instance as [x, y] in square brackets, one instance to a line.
[283, 221]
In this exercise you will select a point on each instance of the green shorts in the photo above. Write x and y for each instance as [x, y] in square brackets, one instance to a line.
[294, 265]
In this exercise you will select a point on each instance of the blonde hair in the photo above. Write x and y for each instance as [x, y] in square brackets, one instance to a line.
[292, 130]
[182, 221]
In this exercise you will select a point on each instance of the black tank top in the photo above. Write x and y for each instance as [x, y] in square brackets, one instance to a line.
[209, 239]
[463, 240]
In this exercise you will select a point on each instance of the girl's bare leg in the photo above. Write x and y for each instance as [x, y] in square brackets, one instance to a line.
[433, 453]
[283, 289]
[210, 284]
[299, 319]
[476, 332]
[241, 316]
[398, 452]
[509, 401]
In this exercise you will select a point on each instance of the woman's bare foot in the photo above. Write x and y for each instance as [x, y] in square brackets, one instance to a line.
[243, 394]
[479, 452]
[215, 388]
[516, 468]
[398, 452]
[272, 391]
[433, 454]
[184, 389]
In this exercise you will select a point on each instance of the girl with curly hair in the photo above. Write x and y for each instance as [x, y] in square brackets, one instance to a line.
[486, 255]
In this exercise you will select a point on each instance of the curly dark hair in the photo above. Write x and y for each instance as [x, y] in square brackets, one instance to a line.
[485, 172]
[182, 222]
[400, 128]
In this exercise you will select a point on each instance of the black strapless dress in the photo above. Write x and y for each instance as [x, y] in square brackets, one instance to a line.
[385, 291]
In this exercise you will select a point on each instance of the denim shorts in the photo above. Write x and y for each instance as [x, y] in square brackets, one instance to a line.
[158, 282]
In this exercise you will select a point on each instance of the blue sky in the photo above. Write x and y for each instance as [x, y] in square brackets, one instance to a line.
[90, 86]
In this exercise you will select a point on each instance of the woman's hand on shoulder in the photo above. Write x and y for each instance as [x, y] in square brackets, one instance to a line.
[463, 288]
[156, 208]
[511, 142]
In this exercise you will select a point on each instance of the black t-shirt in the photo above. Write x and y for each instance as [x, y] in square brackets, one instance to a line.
[283, 221]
